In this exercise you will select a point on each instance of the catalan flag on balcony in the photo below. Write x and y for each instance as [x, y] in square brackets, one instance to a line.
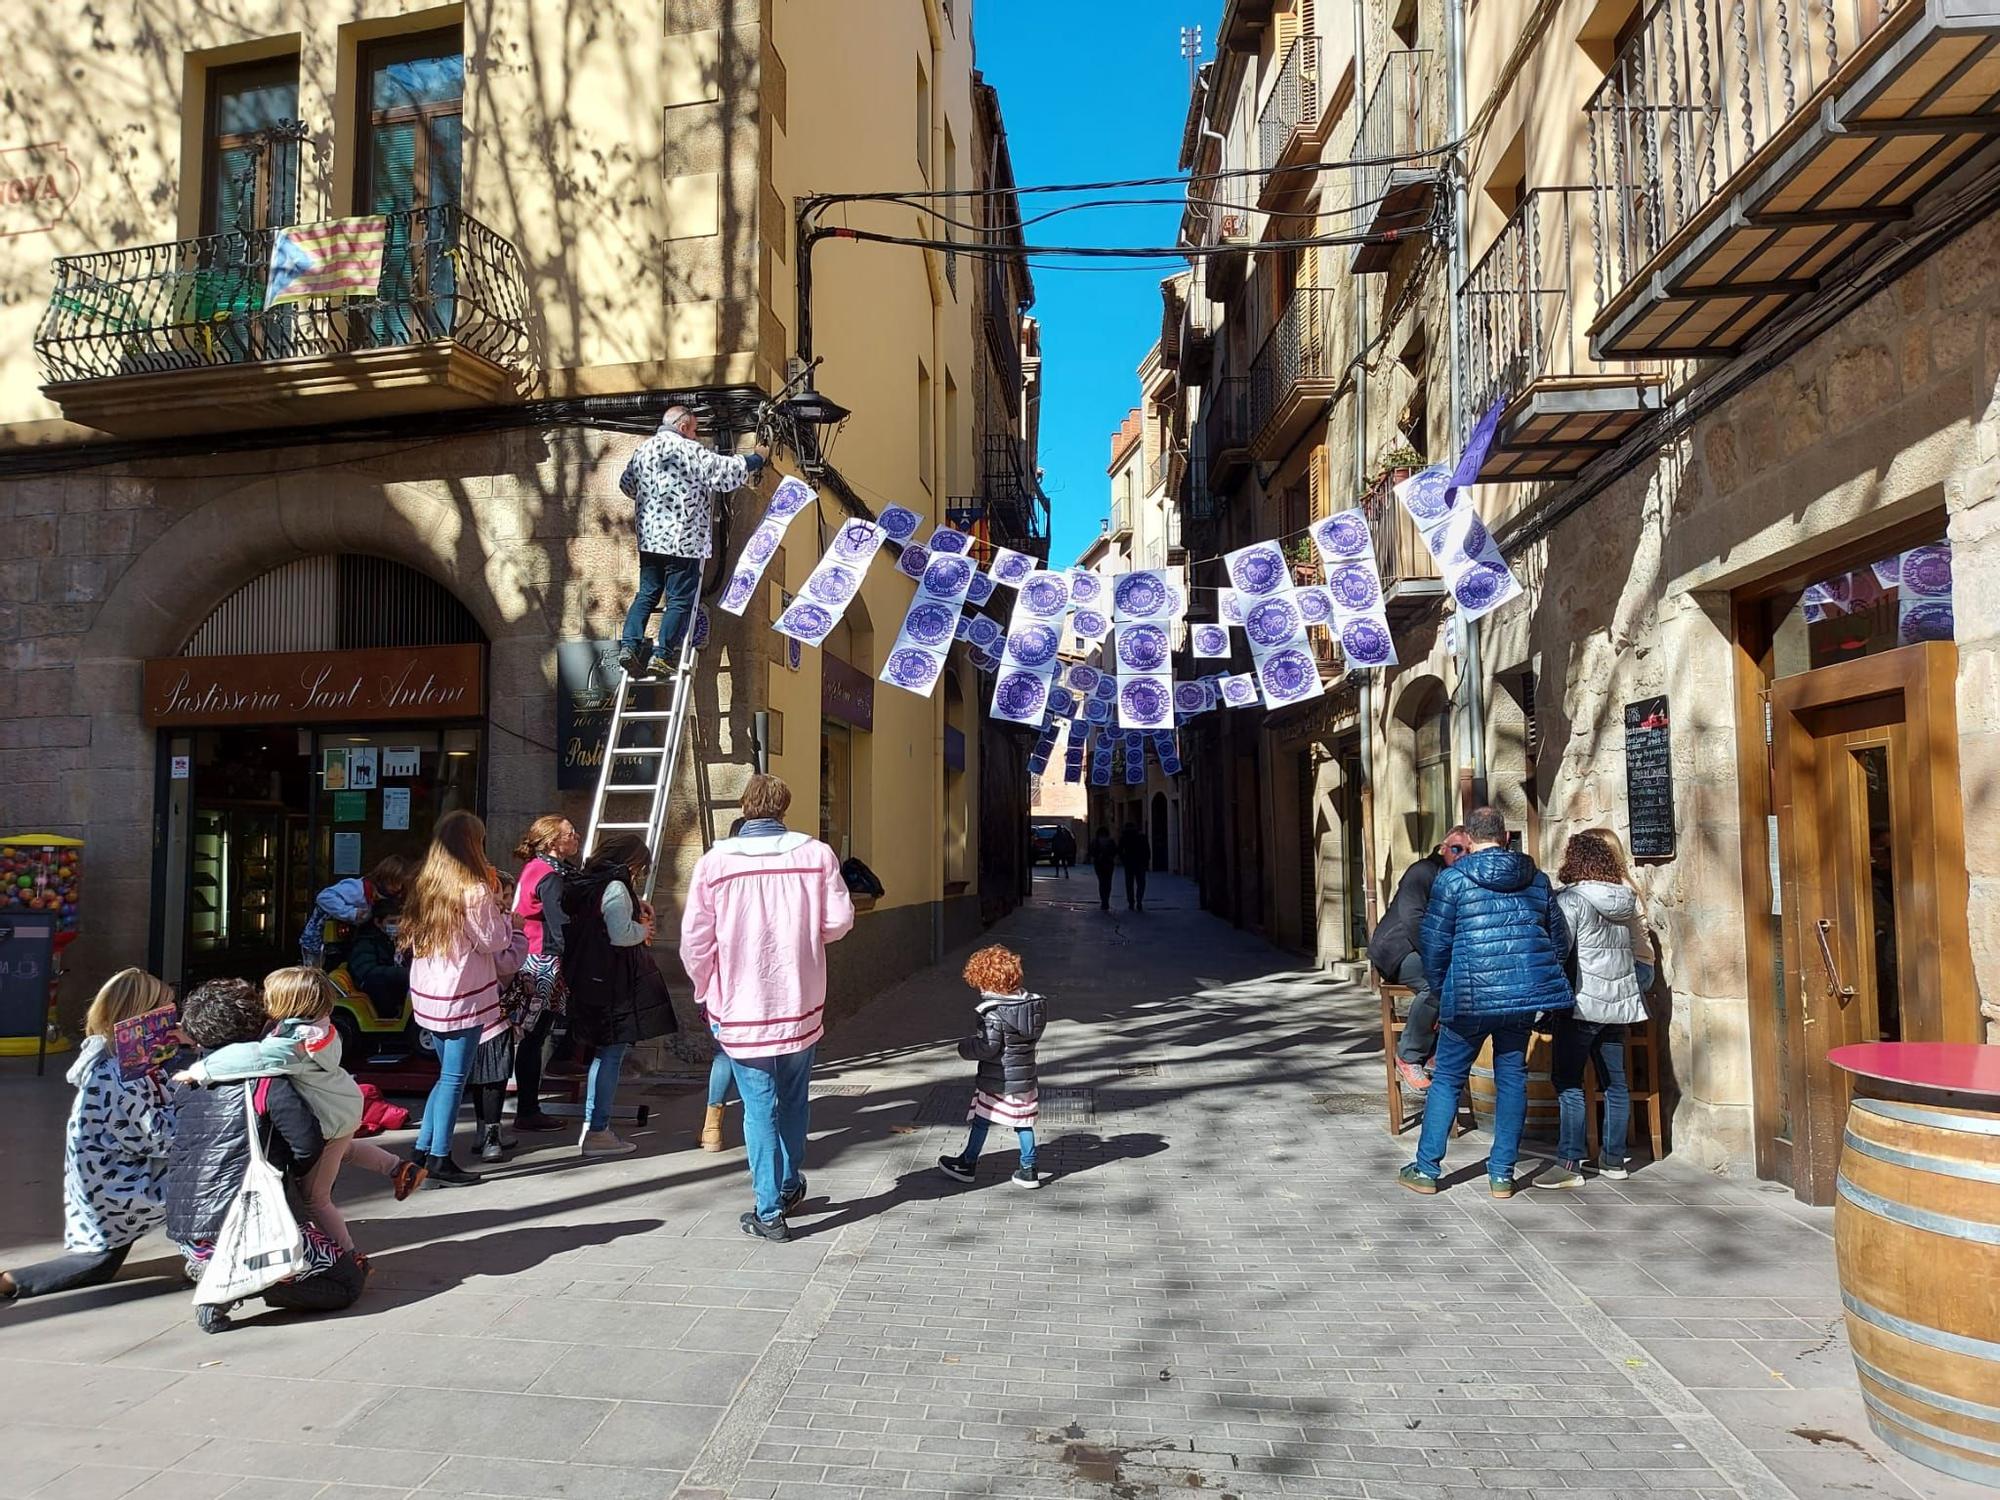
[340, 258]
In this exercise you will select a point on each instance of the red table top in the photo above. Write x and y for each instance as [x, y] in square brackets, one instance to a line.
[1966, 1067]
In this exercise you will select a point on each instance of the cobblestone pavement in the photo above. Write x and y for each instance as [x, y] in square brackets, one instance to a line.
[1221, 1291]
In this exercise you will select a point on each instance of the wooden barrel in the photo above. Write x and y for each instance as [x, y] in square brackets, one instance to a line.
[1917, 1235]
[1544, 1119]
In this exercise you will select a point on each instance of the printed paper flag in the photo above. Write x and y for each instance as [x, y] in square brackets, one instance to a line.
[1354, 589]
[340, 258]
[1209, 641]
[929, 626]
[913, 559]
[1474, 571]
[1010, 567]
[981, 590]
[832, 584]
[791, 496]
[1034, 635]
[899, 523]
[1286, 669]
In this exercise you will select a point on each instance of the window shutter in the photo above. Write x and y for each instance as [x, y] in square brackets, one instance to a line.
[393, 167]
[1307, 25]
[1288, 32]
[1320, 493]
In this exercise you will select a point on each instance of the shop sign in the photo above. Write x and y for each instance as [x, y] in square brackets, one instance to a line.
[317, 687]
[37, 186]
[845, 694]
[586, 682]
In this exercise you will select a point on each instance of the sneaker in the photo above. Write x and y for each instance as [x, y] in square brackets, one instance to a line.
[212, 1319]
[956, 1166]
[408, 1177]
[789, 1201]
[1561, 1174]
[659, 666]
[1417, 1180]
[631, 661]
[775, 1230]
[490, 1148]
[1414, 1078]
[604, 1143]
[1500, 1187]
[1025, 1177]
[1617, 1168]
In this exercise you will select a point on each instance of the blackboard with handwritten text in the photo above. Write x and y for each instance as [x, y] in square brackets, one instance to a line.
[1649, 778]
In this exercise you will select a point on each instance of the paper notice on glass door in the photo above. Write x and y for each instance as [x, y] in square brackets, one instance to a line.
[395, 808]
[347, 854]
[361, 763]
[400, 760]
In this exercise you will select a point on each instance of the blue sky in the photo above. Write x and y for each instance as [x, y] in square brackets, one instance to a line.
[1091, 90]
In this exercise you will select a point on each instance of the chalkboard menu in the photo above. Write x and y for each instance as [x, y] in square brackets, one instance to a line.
[27, 945]
[1649, 778]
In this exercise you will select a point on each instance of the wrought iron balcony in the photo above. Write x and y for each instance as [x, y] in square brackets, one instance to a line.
[1397, 184]
[1526, 306]
[1742, 148]
[1003, 328]
[1296, 372]
[1288, 125]
[1226, 420]
[177, 336]
[1197, 338]
[1120, 523]
[1015, 511]
[1410, 577]
[1200, 503]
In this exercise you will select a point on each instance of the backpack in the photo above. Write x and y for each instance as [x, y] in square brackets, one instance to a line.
[860, 879]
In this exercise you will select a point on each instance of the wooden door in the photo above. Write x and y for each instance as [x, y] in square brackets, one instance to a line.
[1872, 875]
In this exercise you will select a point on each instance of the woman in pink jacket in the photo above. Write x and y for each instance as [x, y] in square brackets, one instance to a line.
[761, 908]
[462, 943]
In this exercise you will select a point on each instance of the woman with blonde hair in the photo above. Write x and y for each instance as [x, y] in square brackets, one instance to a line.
[461, 944]
[114, 1153]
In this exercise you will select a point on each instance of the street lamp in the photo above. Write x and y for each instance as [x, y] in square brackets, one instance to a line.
[815, 421]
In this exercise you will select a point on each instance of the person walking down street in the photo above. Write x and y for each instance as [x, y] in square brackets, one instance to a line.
[1104, 860]
[1392, 948]
[1611, 969]
[617, 994]
[761, 909]
[1010, 1023]
[114, 1150]
[1135, 853]
[461, 944]
[1062, 850]
[1493, 939]
[672, 481]
[548, 852]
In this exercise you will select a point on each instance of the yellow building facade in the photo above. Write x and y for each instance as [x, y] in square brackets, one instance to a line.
[588, 217]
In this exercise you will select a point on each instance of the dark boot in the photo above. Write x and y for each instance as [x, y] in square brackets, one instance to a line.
[444, 1172]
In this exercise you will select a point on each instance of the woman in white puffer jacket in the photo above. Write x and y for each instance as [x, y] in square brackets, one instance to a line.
[1611, 968]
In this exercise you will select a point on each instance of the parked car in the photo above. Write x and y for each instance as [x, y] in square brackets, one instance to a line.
[1041, 843]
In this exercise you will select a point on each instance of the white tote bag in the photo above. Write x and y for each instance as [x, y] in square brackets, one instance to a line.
[260, 1243]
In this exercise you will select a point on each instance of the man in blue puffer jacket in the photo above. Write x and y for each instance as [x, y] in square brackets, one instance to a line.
[1493, 942]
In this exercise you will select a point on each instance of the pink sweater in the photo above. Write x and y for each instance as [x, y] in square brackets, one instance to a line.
[460, 988]
[760, 912]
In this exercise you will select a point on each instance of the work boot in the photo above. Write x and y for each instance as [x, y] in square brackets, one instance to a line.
[711, 1129]
[444, 1172]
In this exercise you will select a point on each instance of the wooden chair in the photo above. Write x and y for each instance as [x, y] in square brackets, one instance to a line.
[1642, 1074]
[1393, 1021]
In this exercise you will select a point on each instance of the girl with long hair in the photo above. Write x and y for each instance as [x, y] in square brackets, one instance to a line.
[1610, 968]
[114, 1151]
[548, 852]
[461, 944]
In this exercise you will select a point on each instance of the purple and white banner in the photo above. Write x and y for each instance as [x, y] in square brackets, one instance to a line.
[1277, 632]
[1034, 635]
[1209, 641]
[1353, 589]
[791, 496]
[930, 625]
[1474, 570]
[899, 523]
[1088, 616]
[1190, 699]
[981, 590]
[1239, 690]
[833, 583]
[1010, 567]
[1143, 598]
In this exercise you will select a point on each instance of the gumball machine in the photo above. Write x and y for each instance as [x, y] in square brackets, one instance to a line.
[41, 876]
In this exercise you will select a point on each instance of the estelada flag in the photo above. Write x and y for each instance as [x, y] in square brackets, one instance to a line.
[340, 258]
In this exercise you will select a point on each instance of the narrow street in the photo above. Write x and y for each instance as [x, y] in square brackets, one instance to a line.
[1222, 1291]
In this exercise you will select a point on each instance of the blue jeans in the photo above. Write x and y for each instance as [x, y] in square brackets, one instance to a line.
[776, 1115]
[1458, 1045]
[975, 1142]
[720, 1076]
[455, 1051]
[1603, 1044]
[603, 1085]
[677, 580]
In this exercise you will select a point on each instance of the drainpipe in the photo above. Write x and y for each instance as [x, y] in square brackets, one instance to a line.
[1365, 794]
[1471, 678]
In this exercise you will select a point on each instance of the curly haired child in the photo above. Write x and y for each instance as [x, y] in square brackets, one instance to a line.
[1009, 1023]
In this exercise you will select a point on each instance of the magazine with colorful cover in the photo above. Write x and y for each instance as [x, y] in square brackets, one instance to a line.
[140, 1044]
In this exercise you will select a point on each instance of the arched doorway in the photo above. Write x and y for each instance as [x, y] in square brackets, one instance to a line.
[318, 721]
[1160, 830]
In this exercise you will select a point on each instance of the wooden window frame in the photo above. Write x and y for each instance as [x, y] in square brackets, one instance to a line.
[370, 58]
[214, 143]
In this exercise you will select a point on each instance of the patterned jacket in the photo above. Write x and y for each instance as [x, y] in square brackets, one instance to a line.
[672, 482]
[115, 1159]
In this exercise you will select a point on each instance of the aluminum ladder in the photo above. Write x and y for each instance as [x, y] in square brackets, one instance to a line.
[613, 808]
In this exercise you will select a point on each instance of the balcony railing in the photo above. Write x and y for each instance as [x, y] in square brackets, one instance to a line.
[1121, 516]
[1011, 506]
[1003, 328]
[1742, 147]
[195, 303]
[1159, 473]
[1397, 181]
[1526, 307]
[1408, 570]
[1202, 504]
[1292, 105]
[1296, 371]
[1226, 421]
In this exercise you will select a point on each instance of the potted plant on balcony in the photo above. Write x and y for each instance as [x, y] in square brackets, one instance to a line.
[1304, 560]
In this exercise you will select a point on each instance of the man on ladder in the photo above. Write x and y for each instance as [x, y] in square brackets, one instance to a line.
[673, 481]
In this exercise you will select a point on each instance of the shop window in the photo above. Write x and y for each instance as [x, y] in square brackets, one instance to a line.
[250, 162]
[1434, 812]
[836, 787]
[1900, 600]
